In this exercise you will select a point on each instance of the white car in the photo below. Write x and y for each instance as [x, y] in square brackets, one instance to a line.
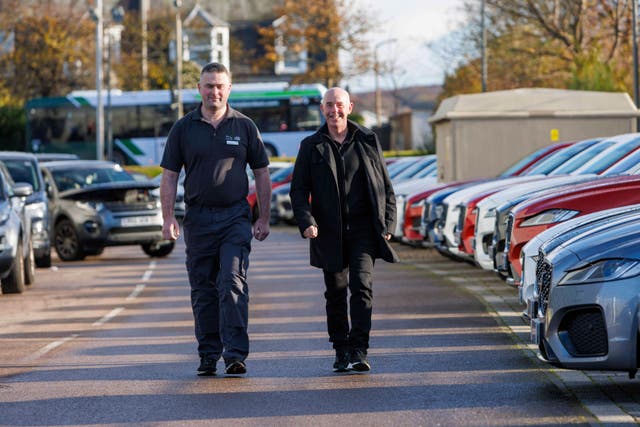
[454, 203]
[486, 211]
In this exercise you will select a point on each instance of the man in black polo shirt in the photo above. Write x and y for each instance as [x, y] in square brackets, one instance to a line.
[214, 143]
[343, 201]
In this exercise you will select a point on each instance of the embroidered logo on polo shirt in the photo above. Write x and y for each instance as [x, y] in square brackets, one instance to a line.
[232, 140]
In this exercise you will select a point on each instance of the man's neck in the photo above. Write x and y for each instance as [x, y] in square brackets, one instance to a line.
[338, 135]
[213, 116]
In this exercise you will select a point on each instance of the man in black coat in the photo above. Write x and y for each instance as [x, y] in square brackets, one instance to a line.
[343, 201]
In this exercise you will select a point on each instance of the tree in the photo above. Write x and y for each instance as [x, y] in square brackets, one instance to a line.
[51, 54]
[322, 29]
[582, 44]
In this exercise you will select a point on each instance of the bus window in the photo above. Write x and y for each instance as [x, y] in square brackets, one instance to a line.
[305, 117]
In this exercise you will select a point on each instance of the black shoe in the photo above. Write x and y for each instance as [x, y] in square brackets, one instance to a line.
[207, 367]
[342, 361]
[235, 367]
[359, 361]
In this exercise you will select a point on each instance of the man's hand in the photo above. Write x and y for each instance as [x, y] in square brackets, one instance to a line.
[387, 236]
[311, 232]
[261, 229]
[170, 229]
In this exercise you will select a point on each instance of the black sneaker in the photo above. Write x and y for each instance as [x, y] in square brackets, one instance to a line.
[342, 361]
[207, 367]
[235, 367]
[359, 361]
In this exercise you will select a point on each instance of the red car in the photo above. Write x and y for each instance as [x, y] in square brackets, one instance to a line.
[415, 207]
[278, 178]
[533, 216]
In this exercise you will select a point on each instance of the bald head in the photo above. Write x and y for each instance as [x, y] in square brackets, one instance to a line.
[336, 93]
[336, 107]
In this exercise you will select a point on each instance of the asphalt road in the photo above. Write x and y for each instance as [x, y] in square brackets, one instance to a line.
[109, 341]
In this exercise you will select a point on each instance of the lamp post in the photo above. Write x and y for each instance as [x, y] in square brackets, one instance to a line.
[483, 48]
[634, 34]
[117, 15]
[96, 14]
[376, 69]
[178, 4]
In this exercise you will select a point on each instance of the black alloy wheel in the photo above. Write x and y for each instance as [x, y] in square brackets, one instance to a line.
[67, 242]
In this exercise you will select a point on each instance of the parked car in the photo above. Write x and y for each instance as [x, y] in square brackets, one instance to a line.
[95, 204]
[553, 237]
[587, 306]
[281, 210]
[278, 178]
[17, 265]
[24, 167]
[179, 207]
[480, 233]
[533, 216]
[49, 157]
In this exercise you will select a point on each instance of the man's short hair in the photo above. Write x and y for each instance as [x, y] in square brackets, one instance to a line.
[215, 67]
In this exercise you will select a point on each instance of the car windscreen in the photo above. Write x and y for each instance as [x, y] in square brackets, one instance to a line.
[77, 178]
[23, 171]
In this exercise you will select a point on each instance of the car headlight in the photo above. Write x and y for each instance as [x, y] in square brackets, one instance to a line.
[601, 271]
[549, 217]
[90, 205]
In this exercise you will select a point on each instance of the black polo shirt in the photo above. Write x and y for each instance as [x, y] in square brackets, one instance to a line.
[214, 159]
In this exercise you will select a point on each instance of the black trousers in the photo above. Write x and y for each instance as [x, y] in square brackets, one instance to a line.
[359, 249]
[218, 244]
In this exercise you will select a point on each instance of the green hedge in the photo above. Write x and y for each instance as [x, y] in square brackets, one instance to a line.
[12, 128]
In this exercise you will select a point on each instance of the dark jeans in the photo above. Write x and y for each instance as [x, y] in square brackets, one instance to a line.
[359, 254]
[218, 243]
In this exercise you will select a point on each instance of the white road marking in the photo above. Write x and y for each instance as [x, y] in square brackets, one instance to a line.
[113, 313]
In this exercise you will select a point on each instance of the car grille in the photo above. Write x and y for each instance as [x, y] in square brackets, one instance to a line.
[130, 207]
[507, 232]
[543, 282]
[461, 215]
[584, 333]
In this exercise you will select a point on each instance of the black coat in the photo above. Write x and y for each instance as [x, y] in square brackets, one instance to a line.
[316, 201]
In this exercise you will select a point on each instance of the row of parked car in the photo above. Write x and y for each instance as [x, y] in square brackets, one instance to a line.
[77, 208]
[562, 226]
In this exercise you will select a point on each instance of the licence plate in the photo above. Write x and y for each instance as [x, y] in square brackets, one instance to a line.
[537, 330]
[132, 221]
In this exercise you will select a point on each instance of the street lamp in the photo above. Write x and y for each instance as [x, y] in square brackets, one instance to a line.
[96, 15]
[179, 53]
[634, 34]
[376, 69]
[117, 16]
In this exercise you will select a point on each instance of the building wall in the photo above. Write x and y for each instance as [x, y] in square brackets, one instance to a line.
[484, 147]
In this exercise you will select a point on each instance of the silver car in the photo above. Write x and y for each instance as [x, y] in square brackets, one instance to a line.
[586, 300]
[17, 266]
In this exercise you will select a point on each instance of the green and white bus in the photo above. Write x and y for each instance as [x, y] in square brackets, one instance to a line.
[141, 120]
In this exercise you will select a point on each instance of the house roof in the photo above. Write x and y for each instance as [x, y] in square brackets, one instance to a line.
[540, 102]
[211, 20]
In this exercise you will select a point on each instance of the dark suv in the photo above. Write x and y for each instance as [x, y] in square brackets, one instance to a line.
[95, 204]
[24, 167]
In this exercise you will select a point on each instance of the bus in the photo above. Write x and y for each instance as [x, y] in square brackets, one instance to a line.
[141, 120]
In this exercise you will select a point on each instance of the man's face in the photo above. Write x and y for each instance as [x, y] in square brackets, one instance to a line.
[336, 107]
[214, 89]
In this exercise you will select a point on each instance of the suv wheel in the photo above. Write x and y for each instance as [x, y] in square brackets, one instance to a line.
[14, 282]
[67, 242]
[158, 249]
